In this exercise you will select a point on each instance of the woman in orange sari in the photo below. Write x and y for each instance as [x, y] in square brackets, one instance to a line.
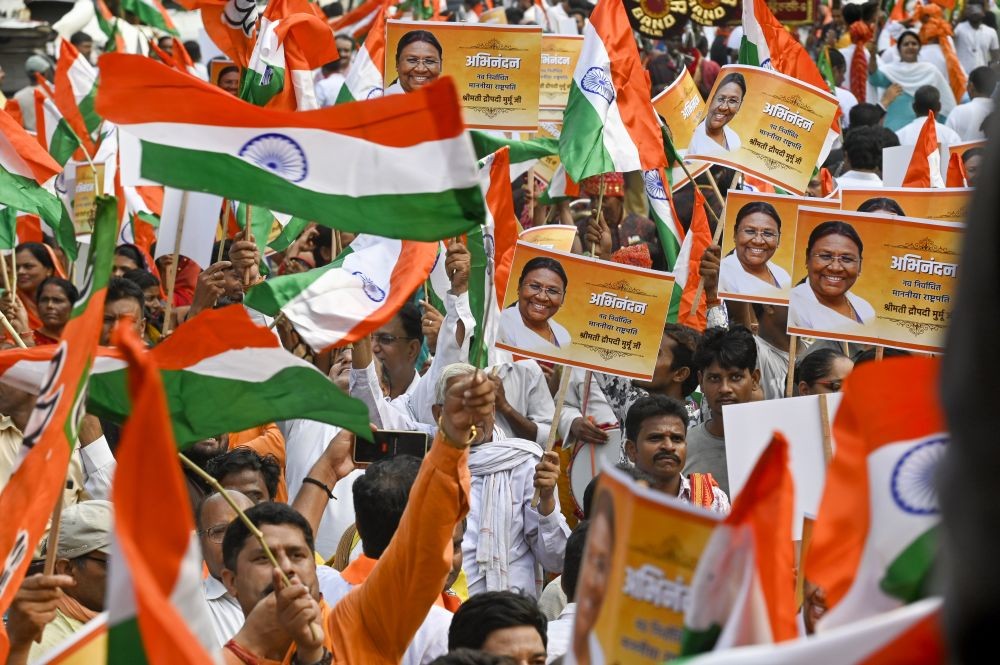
[35, 263]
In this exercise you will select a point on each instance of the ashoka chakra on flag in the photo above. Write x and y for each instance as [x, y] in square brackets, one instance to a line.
[278, 154]
[597, 81]
[654, 185]
[913, 477]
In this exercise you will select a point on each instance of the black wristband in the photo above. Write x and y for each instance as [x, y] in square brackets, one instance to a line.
[322, 486]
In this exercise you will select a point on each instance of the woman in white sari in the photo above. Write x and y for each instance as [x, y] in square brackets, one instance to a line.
[748, 269]
[910, 74]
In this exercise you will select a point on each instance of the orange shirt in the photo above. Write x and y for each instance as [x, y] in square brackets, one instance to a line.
[265, 440]
[375, 623]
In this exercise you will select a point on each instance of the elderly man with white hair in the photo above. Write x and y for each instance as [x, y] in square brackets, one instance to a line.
[507, 536]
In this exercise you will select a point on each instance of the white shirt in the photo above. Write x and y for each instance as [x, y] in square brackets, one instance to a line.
[560, 633]
[773, 365]
[908, 134]
[735, 37]
[533, 537]
[227, 615]
[973, 45]
[967, 119]
[847, 101]
[702, 144]
[305, 441]
[859, 179]
[933, 54]
[328, 89]
[598, 407]
[734, 278]
[525, 389]
[514, 332]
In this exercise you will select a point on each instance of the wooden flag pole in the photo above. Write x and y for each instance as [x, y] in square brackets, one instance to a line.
[790, 379]
[598, 215]
[716, 237]
[879, 353]
[554, 430]
[6, 277]
[824, 421]
[54, 526]
[10, 329]
[172, 271]
[258, 536]
[248, 234]
[227, 209]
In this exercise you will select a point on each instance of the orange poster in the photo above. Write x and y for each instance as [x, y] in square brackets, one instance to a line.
[559, 56]
[682, 108]
[946, 205]
[551, 236]
[631, 604]
[757, 245]
[765, 124]
[874, 278]
[581, 311]
[495, 68]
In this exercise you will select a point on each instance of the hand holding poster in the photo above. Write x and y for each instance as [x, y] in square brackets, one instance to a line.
[757, 245]
[765, 124]
[495, 68]
[583, 312]
[902, 298]
[630, 608]
[946, 205]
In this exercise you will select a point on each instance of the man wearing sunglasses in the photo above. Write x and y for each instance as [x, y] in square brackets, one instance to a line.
[81, 572]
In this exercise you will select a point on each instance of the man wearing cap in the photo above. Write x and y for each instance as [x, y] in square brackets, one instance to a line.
[25, 97]
[75, 592]
[624, 229]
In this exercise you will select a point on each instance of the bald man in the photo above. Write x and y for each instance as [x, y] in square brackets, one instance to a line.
[214, 515]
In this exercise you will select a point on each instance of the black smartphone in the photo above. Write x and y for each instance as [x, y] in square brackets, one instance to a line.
[389, 443]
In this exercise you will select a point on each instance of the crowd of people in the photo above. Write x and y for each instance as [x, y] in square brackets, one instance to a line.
[473, 553]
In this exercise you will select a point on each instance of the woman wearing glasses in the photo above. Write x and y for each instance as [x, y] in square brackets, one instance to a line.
[748, 269]
[541, 291]
[712, 136]
[418, 62]
[823, 300]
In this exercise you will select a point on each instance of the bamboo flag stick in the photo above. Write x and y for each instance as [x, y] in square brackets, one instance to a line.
[258, 536]
[790, 379]
[824, 421]
[172, 271]
[54, 526]
[10, 330]
[553, 431]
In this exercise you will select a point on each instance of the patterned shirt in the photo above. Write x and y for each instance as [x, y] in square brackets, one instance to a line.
[720, 502]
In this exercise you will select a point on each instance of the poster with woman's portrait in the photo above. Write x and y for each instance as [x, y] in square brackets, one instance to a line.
[873, 278]
[580, 311]
[757, 245]
[765, 124]
[941, 204]
[496, 68]
[635, 582]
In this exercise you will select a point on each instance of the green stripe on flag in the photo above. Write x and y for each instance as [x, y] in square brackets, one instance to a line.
[125, 645]
[149, 218]
[91, 120]
[26, 195]
[581, 144]
[293, 229]
[259, 88]
[201, 406]
[270, 296]
[147, 15]
[908, 576]
[520, 151]
[63, 143]
[425, 216]
[8, 227]
[478, 283]
[748, 53]
[699, 641]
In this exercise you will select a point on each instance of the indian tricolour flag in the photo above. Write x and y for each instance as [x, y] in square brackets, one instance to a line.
[687, 271]
[352, 296]
[366, 77]
[156, 613]
[292, 41]
[76, 92]
[910, 635]
[609, 123]
[39, 472]
[151, 13]
[221, 371]
[876, 533]
[924, 169]
[492, 250]
[53, 132]
[560, 187]
[766, 43]
[359, 21]
[399, 166]
[27, 181]
[743, 590]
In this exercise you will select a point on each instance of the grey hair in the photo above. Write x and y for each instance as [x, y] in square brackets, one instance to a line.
[451, 371]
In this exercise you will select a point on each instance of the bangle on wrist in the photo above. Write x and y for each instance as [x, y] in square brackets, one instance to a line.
[454, 444]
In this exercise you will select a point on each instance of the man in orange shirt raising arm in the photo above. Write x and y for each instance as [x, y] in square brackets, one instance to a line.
[376, 621]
